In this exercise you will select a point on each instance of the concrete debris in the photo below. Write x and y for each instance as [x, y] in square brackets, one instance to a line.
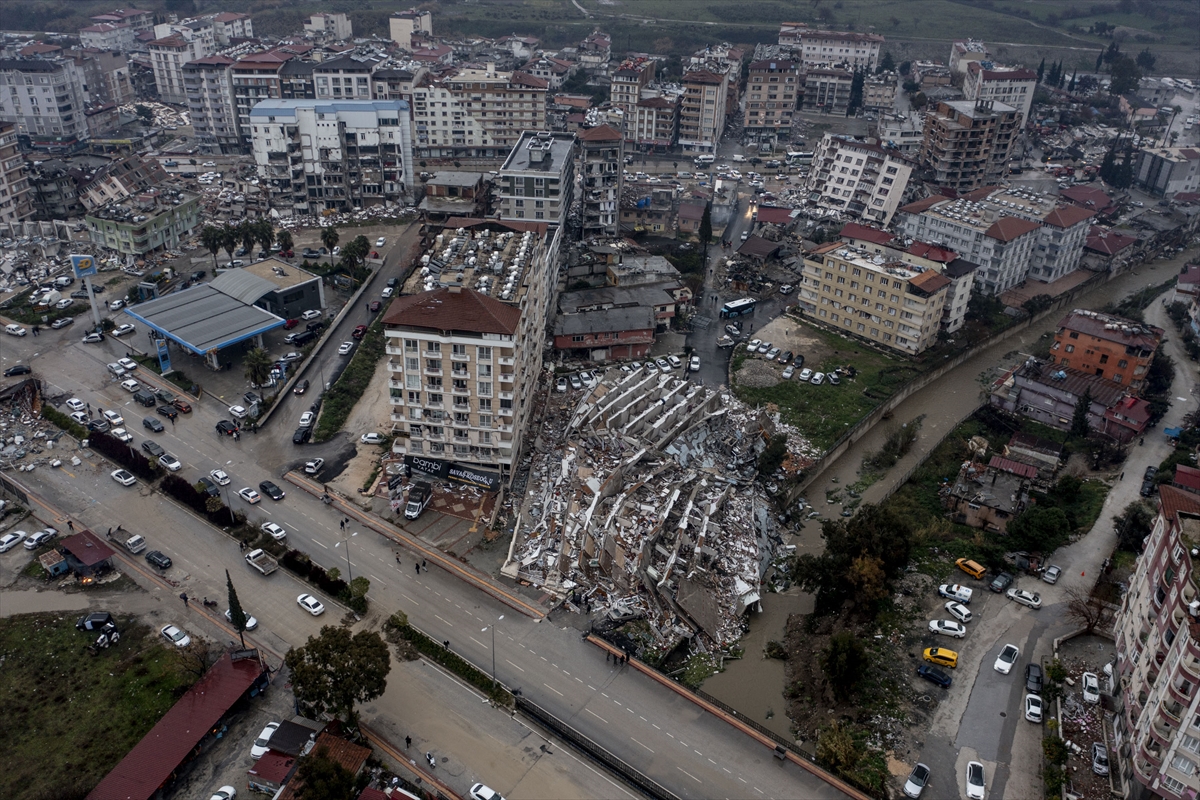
[642, 499]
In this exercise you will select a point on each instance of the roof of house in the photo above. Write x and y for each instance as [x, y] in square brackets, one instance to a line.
[774, 215]
[702, 76]
[1088, 197]
[1027, 441]
[87, 548]
[853, 230]
[1187, 476]
[1172, 500]
[274, 767]
[605, 320]
[1127, 332]
[1106, 241]
[1007, 229]
[758, 247]
[960, 267]
[1132, 409]
[930, 281]
[1066, 216]
[1016, 468]
[351, 756]
[1073, 382]
[639, 294]
[924, 204]
[453, 309]
[932, 252]
[600, 133]
[155, 758]
[691, 211]
[1190, 274]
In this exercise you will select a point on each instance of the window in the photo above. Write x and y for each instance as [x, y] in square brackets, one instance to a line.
[459, 349]
[412, 364]
[1173, 785]
[433, 363]
[483, 353]
[1183, 764]
[433, 347]
[1070, 348]
[484, 389]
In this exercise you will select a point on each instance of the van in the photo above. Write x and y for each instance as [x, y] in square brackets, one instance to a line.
[64, 281]
[942, 657]
[706, 158]
[315, 326]
[301, 339]
[145, 397]
[135, 543]
[739, 159]
[970, 567]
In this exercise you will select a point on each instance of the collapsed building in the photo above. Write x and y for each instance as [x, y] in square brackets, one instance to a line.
[642, 499]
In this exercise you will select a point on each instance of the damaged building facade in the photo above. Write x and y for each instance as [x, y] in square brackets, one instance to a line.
[643, 500]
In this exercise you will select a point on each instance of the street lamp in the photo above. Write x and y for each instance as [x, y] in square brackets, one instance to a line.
[346, 541]
[493, 627]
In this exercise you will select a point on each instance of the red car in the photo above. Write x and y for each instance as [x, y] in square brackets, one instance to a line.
[375, 306]
[360, 332]
[291, 323]
[183, 406]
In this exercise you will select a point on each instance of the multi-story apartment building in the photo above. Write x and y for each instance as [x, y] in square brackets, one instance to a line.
[314, 155]
[465, 354]
[106, 75]
[121, 179]
[965, 51]
[827, 89]
[14, 184]
[854, 50]
[595, 52]
[1156, 727]
[554, 71]
[879, 91]
[627, 82]
[138, 19]
[1115, 348]
[346, 78]
[331, 26]
[209, 92]
[108, 36]
[256, 77]
[537, 180]
[903, 132]
[702, 111]
[772, 96]
[655, 124]
[396, 83]
[160, 219]
[45, 98]
[167, 57]
[602, 156]
[967, 143]
[476, 112]
[863, 181]
[404, 25]
[1012, 86]
[53, 189]
[1000, 244]
[296, 81]
[229, 25]
[1167, 171]
[889, 301]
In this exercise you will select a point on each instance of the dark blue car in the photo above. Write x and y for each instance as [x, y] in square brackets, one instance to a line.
[934, 675]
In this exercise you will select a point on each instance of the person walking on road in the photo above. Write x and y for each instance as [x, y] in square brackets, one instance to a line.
[423, 566]
[184, 598]
[418, 566]
[407, 742]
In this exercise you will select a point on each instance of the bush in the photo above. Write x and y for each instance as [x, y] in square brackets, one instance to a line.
[123, 454]
[437, 652]
[352, 383]
[61, 420]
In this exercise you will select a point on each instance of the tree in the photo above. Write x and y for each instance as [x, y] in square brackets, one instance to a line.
[334, 670]
[237, 615]
[1079, 420]
[837, 749]
[1041, 70]
[874, 532]
[856, 92]
[844, 662]
[258, 366]
[1146, 59]
[144, 113]
[212, 239]
[706, 230]
[1088, 611]
[1112, 53]
[1133, 525]
[1039, 528]
[866, 575]
[329, 238]
[264, 234]
[1125, 76]
[319, 777]
[887, 63]
[247, 235]
[1071, 85]
[229, 239]
[284, 238]
[1099, 61]
[904, 68]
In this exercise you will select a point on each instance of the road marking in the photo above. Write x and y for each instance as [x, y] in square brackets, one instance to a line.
[451, 624]
[643, 719]
[690, 775]
[760, 791]
[602, 694]
[476, 641]
[593, 688]
[556, 666]
[743, 780]
[726, 770]
[656, 727]
[577, 680]
[668, 733]
[597, 716]
[712, 762]
[520, 668]
[377, 578]
[641, 743]
[318, 541]
[551, 688]
[409, 599]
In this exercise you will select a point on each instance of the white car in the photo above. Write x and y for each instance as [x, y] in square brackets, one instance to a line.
[75, 404]
[753, 346]
[251, 622]
[262, 743]
[311, 604]
[224, 793]
[249, 495]
[381, 241]
[916, 781]
[312, 313]
[958, 611]
[1024, 598]
[975, 781]
[220, 476]
[238, 412]
[176, 636]
[956, 592]
[130, 385]
[371, 438]
[345, 348]
[1091, 688]
[11, 540]
[38, 539]
[123, 477]
[114, 418]
[314, 466]
[694, 364]
[1033, 708]
[1008, 656]
[817, 379]
[121, 434]
[170, 462]
[123, 330]
[116, 305]
[128, 364]
[482, 792]
[274, 531]
[765, 347]
[15, 330]
[306, 419]
[947, 628]
[805, 375]
[674, 362]
[560, 386]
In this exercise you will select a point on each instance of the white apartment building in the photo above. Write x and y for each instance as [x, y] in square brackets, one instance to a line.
[209, 89]
[346, 78]
[1167, 171]
[314, 155]
[1009, 85]
[45, 98]
[886, 300]
[863, 181]
[857, 50]
[229, 25]
[169, 53]
[478, 113]
[465, 354]
[108, 36]
[1063, 233]
[903, 132]
[537, 181]
[403, 25]
[1002, 245]
[333, 26]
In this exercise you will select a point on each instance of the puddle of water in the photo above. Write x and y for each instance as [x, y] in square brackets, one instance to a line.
[32, 601]
[754, 685]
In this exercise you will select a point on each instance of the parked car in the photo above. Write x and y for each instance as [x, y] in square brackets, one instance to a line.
[1025, 598]
[1008, 656]
[752, 347]
[371, 438]
[40, 538]
[772, 354]
[788, 372]
[92, 337]
[152, 424]
[1051, 574]
[818, 378]
[1001, 582]
[561, 385]
[314, 466]
[274, 531]
[805, 375]
[934, 675]
[947, 628]
[14, 329]
[359, 332]
[251, 622]
[1099, 759]
[123, 330]
[263, 743]
[311, 604]
[249, 495]
[345, 348]
[1033, 678]
[576, 383]
[674, 362]
[1091, 688]
[220, 476]
[959, 611]
[916, 781]
[175, 636]
[226, 427]
[61, 322]
[956, 592]
[1033, 708]
[123, 477]
[975, 781]
[158, 559]
[694, 364]
[271, 490]
[170, 462]
[481, 792]
[153, 448]
[10, 540]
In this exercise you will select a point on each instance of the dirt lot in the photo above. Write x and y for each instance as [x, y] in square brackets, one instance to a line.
[1083, 723]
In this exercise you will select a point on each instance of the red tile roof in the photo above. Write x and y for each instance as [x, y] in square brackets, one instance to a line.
[691, 211]
[87, 548]
[1187, 476]
[1007, 229]
[932, 252]
[924, 204]
[1066, 216]
[525, 79]
[1088, 197]
[853, 230]
[1008, 465]
[702, 76]
[273, 767]
[154, 759]
[349, 755]
[1106, 241]
[454, 310]
[930, 281]
[774, 215]
[1172, 500]
[601, 133]
[1138, 334]
[1190, 275]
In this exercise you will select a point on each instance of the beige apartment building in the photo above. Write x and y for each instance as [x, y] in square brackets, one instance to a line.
[702, 111]
[14, 183]
[772, 96]
[888, 301]
[476, 113]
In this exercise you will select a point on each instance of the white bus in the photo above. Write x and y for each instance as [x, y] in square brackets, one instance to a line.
[797, 158]
[738, 308]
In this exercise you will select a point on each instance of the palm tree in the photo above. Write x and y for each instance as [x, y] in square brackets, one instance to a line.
[212, 238]
[258, 366]
[229, 239]
[284, 238]
[264, 234]
[329, 238]
[246, 233]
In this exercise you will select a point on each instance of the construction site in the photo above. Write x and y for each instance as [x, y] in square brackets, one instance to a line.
[645, 501]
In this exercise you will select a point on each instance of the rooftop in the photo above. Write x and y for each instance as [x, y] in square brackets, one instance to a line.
[87, 548]
[607, 320]
[204, 317]
[1127, 332]
[267, 108]
[489, 260]
[540, 152]
[1107, 242]
[453, 309]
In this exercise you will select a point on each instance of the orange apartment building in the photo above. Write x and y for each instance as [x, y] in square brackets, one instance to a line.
[1114, 348]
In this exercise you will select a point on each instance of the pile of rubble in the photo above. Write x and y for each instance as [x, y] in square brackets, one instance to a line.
[164, 116]
[26, 440]
[335, 219]
[642, 498]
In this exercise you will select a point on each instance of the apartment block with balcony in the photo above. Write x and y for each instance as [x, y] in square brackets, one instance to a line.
[15, 201]
[886, 300]
[476, 113]
[136, 18]
[349, 77]
[403, 26]
[210, 104]
[627, 82]
[602, 154]
[46, 99]
[118, 180]
[464, 355]
[332, 26]
[863, 181]
[1156, 727]
[256, 77]
[537, 180]
[1114, 348]
[855, 50]
[315, 155]
[967, 143]
[702, 111]
[1012, 86]
[655, 123]
[109, 36]
[827, 89]
[160, 219]
[772, 97]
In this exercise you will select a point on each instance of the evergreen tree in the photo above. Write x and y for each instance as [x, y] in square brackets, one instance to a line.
[856, 93]
[1108, 167]
[1071, 85]
[1041, 70]
[887, 63]
[1146, 60]
[1079, 420]
[706, 229]
[1099, 60]
[237, 615]
[1112, 53]
[1062, 76]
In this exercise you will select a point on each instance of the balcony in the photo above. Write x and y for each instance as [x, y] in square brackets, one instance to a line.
[459, 357]
[431, 372]
[460, 392]
[1171, 708]
[506, 412]
[507, 361]
[506, 377]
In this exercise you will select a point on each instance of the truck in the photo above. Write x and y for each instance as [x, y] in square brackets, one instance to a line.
[261, 561]
[135, 544]
[418, 497]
